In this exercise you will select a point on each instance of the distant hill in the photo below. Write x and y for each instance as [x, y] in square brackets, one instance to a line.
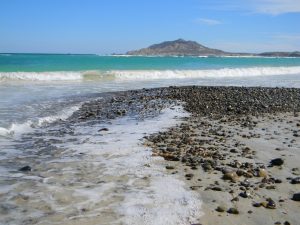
[182, 47]
[280, 54]
[177, 47]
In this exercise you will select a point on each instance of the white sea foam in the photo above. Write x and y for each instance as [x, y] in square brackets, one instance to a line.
[147, 74]
[19, 128]
[40, 76]
[160, 199]
[219, 73]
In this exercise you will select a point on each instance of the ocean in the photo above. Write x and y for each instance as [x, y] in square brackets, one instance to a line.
[80, 176]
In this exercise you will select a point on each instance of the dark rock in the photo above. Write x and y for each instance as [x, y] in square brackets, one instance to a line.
[103, 129]
[233, 211]
[270, 204]
[216, 188]
[277, 162]
[295, 180]
[245, 194]
[25, 169]
[189, 175]
[296, 197]
[220, 209]
[256, 204]
[170, 167]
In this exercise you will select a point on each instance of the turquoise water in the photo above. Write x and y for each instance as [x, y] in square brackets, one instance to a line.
[42, 63]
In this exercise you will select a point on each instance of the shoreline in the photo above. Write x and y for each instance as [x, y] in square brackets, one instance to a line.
[112, 149]
[221, 151]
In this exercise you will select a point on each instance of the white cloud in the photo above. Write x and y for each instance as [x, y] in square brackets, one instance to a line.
[209, 22]
[276, 7]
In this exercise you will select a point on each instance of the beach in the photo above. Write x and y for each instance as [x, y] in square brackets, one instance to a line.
[227, 157]
[207, 155]
[238, 149]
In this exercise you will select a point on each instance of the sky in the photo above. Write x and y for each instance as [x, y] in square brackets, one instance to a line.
[117, 26]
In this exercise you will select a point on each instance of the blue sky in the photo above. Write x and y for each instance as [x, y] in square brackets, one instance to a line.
[107, 26]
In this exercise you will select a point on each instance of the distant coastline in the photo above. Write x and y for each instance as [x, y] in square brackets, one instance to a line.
[182, 47]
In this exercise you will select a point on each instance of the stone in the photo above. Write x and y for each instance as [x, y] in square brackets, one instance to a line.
[277, 162]
[220, 209]
[296, 197]
[295, 180]
[232, 176]
[245, 194]
[233, 211]
[262, 173]
[103, 129]
[189, 175]
[216, 189]
[170, 167]
[25, 169]
[270, 204]
[256, 204]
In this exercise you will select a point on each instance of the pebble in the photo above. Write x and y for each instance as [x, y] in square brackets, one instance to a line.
[296, 197]
[295, 180]
[216, 189]
[220, 209]
[170, 167]
[262, 173]
[232, 176]
[233, 211]
[25, 169]
[277, 162]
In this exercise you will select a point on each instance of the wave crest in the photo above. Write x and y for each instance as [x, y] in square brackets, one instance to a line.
[147, 74]
[19, 128]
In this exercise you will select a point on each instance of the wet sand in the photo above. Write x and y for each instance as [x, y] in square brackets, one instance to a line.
[221, 153]
[227, 158]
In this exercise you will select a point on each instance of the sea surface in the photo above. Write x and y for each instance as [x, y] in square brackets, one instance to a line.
[87, 177]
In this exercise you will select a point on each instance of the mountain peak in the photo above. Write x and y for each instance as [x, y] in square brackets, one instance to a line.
[177, 47]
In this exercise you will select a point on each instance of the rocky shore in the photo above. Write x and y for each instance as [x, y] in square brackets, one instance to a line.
[239, 148]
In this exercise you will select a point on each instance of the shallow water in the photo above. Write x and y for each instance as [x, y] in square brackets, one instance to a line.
[89, 176]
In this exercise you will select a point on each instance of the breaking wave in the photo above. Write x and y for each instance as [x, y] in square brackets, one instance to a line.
[19, 128]
[147, 74]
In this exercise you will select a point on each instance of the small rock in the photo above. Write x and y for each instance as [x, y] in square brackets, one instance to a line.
[270, 204]
[296, 197]
[262, 173]
[220, 209]
[103, 129]
[277, 162]
[170, 167]
[256, 204]
[216, 189]
[295, 180]
[233, 211]
[189, 175]
[25, 169]
[245, 194]
[232, 176]
[235, 199]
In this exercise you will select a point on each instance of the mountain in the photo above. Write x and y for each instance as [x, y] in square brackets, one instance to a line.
[182, 47]
[178, 47]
